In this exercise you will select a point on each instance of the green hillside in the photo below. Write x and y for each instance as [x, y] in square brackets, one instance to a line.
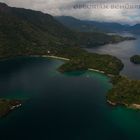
[25, 31]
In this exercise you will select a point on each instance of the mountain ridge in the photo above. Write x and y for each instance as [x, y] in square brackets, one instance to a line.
[25, 31]
[78, 24]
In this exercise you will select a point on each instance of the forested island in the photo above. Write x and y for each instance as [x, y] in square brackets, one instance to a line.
[135, 59]
[7, 106]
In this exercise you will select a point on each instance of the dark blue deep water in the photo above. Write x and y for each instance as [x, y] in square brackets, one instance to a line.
[70, 106]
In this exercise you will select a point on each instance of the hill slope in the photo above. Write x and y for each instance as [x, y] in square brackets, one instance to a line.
[95, 26]
[25, 31]
[91, 26]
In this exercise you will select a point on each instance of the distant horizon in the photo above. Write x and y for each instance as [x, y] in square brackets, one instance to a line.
[97, 21]
[85, 10]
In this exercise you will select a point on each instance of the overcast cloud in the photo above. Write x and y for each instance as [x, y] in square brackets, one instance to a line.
[93, 10]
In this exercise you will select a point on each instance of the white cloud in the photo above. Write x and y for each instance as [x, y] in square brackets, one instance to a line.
[65, 7]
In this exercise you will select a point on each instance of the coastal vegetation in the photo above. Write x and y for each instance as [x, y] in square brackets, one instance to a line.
[124, 92]
[135, 59]
[7, 106]
[25, 32]
[84, 60]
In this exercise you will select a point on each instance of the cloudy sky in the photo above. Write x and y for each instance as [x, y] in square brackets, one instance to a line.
[122, 11]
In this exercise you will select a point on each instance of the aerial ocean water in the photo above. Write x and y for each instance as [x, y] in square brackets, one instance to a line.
[68, 106]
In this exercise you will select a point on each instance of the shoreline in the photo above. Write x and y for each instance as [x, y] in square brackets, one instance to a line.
[51, 56]
[66, 59]
[58, 58]
[8, 105]
[135, 106]
[111, 103]
[55, 57]
[131, 106]
[101, 72]
[90, 69]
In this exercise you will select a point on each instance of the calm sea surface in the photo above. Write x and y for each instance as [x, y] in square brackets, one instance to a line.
[70, 106]
[123, 51]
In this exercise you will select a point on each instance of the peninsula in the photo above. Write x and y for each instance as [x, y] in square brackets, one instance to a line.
[7, 106]
[124, 92]
[82, 60]
[26, 32]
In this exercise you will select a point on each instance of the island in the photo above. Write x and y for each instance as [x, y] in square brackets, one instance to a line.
[7, 105]
[135, 59]
[125, 92]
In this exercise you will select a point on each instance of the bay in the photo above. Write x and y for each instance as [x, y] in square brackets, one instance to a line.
[64, 106]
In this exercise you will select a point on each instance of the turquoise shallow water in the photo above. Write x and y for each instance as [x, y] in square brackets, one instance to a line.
[70, 106]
